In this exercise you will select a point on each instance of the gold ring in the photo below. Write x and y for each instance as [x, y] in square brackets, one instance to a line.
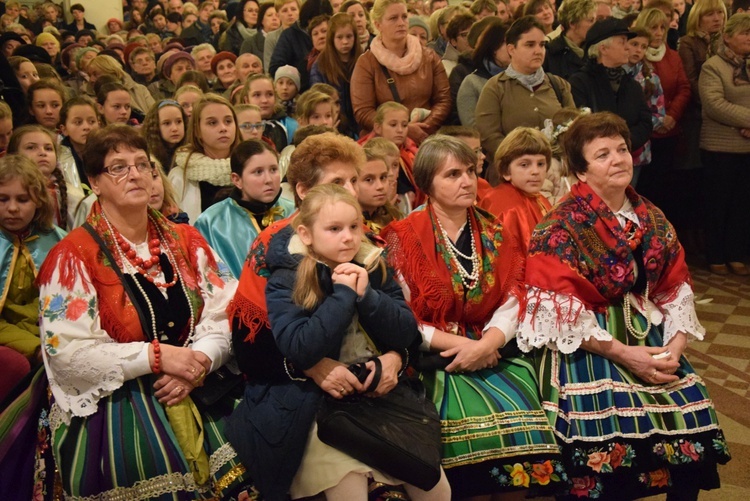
[653, 376]
[201, 375]
[192, 370]
[179, 390]
[342, 391]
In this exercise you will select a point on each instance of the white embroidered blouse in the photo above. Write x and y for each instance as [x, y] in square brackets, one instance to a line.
[84, 364]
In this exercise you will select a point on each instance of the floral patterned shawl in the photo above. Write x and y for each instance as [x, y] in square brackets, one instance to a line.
[580, 250]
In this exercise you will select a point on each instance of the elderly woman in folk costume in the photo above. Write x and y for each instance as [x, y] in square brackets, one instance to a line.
[133, 319]
[609, 310]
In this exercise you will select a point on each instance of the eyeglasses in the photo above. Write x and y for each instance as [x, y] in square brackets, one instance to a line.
[120, 170]
[247, 126]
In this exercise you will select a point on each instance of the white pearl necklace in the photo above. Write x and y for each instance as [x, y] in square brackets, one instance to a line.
[640, 335]
[468, 279]
[173, 261]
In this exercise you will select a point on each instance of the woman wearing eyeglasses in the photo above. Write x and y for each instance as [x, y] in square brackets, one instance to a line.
[232, 225]
[133, 320]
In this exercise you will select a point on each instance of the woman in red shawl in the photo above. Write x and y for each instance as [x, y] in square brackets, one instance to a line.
[460, 271]
[609, 309]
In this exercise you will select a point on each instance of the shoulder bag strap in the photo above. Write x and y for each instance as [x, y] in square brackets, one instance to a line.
[391, 83]
[556, 88]
[125, 284]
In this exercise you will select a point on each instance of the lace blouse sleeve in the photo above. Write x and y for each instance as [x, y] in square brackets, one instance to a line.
[557, 321]
[679, 313]
[83, 363]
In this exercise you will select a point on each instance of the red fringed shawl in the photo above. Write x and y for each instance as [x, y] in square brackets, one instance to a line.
[79, 251]
[416, 248]
[580, 250]
[527, 210]
[249, 303]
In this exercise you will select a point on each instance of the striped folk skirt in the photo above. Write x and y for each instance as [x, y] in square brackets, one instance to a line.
[128, 450]
[495, 435]
[621, 437]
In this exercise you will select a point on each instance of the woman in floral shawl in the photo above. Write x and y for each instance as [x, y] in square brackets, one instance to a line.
[133, 318]
[609, 309]
[460, 271]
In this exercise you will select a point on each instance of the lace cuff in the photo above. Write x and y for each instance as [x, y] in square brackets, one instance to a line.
[680, 315]
[557, 321]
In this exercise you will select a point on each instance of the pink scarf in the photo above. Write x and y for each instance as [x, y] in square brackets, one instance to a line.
[400, 65]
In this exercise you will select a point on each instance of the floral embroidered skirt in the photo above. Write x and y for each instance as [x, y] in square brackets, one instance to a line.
[128, 450]
[495, 435]
[623, 438]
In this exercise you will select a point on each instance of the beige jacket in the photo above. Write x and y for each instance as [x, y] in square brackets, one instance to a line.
[726, 108]
[505, 104]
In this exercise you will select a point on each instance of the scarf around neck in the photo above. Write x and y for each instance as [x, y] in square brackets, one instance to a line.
[578, 51]
[199, 167]
[738, 63]
[657, 54]
[528, 81]
[492, 68]
[405, 65]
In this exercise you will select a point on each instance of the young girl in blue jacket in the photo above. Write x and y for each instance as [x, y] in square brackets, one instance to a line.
[330, 296]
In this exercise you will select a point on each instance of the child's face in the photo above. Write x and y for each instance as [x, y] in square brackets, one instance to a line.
[322, 115]
[6, 130]
[38, 147]
[27, 75]
[157, 192]
[260, 180]
[373, 185]
[17, 208]
[285, 88]
[475, 144]
[251, 124]
[394, 127]
[171, 125]
[637, 49]
[261, 94]
[187, 100]
[336, 106]
[217, 129]
[116, 108]
[81, 121]
[394, 165]
[288, 14]
[527, 173]
[335, 235]
[343, 42]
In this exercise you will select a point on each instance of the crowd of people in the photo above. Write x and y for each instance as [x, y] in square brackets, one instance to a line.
[217, 216]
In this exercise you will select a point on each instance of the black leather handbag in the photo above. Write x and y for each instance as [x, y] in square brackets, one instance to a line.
[398, 433]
